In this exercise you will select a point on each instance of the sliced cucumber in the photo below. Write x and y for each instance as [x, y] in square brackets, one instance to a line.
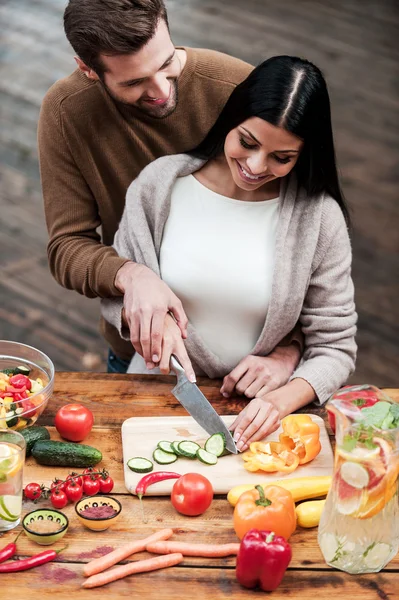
[216, 444]
[175, 448]
[166, 447]
[206, 457]
[188, 449]
[22, 370]
[140, 465]
[163, 458]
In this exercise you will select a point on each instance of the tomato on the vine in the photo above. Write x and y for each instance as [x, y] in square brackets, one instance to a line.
[73, 491]
[75, 477]
[33, 491]
[74, 422]
[59, 484]
[58, 498]
[91, 487]
[192, 494]
[106, 484]
[92, 471]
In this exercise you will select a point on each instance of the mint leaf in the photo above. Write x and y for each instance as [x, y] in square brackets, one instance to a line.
[394, 410]
[374, 415]
[388, 421]
[359, 402]
[349, 443]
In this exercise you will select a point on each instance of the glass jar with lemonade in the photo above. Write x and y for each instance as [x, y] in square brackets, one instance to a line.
[12, 458]
[359, 526]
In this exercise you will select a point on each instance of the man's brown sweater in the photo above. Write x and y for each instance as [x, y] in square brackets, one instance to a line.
[91, 149]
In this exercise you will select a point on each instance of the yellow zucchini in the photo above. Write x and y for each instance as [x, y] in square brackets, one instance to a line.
[301, 488]
[308, 513]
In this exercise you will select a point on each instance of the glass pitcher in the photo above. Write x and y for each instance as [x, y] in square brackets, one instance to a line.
[359, 526]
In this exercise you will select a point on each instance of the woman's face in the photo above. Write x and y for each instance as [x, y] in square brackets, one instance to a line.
[258, 152]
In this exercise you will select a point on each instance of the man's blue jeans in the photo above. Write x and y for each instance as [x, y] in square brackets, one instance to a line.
[116, 364]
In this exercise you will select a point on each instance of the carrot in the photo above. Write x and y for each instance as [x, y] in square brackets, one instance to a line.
[140, 566]
[100, 564]
[204, 550]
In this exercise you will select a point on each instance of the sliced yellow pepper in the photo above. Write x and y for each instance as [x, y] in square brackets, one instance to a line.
[301, 436]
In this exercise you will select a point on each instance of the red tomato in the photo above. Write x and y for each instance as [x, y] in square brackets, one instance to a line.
[32, 491]
[58, 498]
[192, 494]
[20, 381]
[92, 471]
[73, 477]
[73, 491]
[59, 484]
[91, 487]
[74, 422]
[29, 409]
[106, 485]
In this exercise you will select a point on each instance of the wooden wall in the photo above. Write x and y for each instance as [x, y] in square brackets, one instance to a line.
[355, 43]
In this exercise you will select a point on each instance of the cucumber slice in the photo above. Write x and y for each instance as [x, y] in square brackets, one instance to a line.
[163, 458]
[175, 448]
[166, 447]
[206, 457]
[140, 465]
[188, 449]
[22, 370]
[216, 444]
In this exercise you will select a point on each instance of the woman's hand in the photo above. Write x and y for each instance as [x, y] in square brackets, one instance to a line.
[259, 418]
[172, 343]
[255, 376]
[147, 300]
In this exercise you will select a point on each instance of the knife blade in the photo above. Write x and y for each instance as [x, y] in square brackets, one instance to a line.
[190, 396]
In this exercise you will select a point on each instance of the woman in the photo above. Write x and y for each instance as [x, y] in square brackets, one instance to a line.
[249, 231]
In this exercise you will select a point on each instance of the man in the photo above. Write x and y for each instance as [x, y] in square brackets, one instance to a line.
[133, 98]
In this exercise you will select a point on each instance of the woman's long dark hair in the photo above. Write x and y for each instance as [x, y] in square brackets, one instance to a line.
[286, 92]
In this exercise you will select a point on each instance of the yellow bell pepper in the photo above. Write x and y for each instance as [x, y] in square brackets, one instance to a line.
[301, 488]
[308, 513]
[270, 457]
[302, 436]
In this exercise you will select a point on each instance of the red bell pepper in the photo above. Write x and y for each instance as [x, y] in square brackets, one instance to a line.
[262, 560]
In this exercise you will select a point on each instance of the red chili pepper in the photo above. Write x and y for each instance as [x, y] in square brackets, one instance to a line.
[9, 550]
[151, 478]
[262, 560]
[29, 563]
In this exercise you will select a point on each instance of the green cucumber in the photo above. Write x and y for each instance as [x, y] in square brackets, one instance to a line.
[22, 370]
[163, 458]
[175, 448]
[33, 435]
[216, 444]
[166, 447]
[65, 454]
[188, 449]
[140, 465]
[206, 457]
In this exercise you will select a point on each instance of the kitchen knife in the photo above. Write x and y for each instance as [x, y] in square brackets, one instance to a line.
[195, 403]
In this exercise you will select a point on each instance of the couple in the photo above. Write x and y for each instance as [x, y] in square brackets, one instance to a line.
[238, 225]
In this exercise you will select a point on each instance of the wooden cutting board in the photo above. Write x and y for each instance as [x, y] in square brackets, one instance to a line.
[140, 436]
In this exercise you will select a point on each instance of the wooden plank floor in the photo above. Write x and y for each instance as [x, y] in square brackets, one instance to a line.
[355, 43]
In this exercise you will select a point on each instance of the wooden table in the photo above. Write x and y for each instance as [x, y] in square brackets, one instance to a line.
[114, 398]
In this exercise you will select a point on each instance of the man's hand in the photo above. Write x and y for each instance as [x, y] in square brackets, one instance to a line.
[255, 376]
[147, 300]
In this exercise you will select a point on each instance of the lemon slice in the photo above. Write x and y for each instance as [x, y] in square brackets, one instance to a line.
[360, 454]
[10, 507]
[354, 474]
[10, 462]
[377, 556]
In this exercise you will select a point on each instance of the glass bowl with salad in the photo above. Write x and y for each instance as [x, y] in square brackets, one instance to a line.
[26, 384]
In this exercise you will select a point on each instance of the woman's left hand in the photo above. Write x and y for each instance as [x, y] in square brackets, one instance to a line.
[259, 418]
[258, 375]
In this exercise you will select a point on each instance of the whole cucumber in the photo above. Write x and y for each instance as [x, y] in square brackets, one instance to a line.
[65, 454]
[33, 435]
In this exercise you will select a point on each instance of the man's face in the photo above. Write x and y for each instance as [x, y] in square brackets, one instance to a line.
[146, 79]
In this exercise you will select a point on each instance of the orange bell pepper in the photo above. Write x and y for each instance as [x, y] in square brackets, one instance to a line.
[301, 436]
[270, 457]
[269, 509]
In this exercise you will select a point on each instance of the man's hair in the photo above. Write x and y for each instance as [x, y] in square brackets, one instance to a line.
[110, 27]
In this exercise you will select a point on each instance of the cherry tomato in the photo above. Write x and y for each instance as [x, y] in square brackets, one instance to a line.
[73, 491]
[20, 381]
[33, 491]
[95, 473]
[106, 484]
[59, 484]
[91, 487]
[29, 409]
[58, 498]
[74, 422]
[192, 494]
[73, 477]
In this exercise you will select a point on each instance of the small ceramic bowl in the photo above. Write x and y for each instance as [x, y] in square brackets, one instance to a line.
[32, 520]
[93, 522]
